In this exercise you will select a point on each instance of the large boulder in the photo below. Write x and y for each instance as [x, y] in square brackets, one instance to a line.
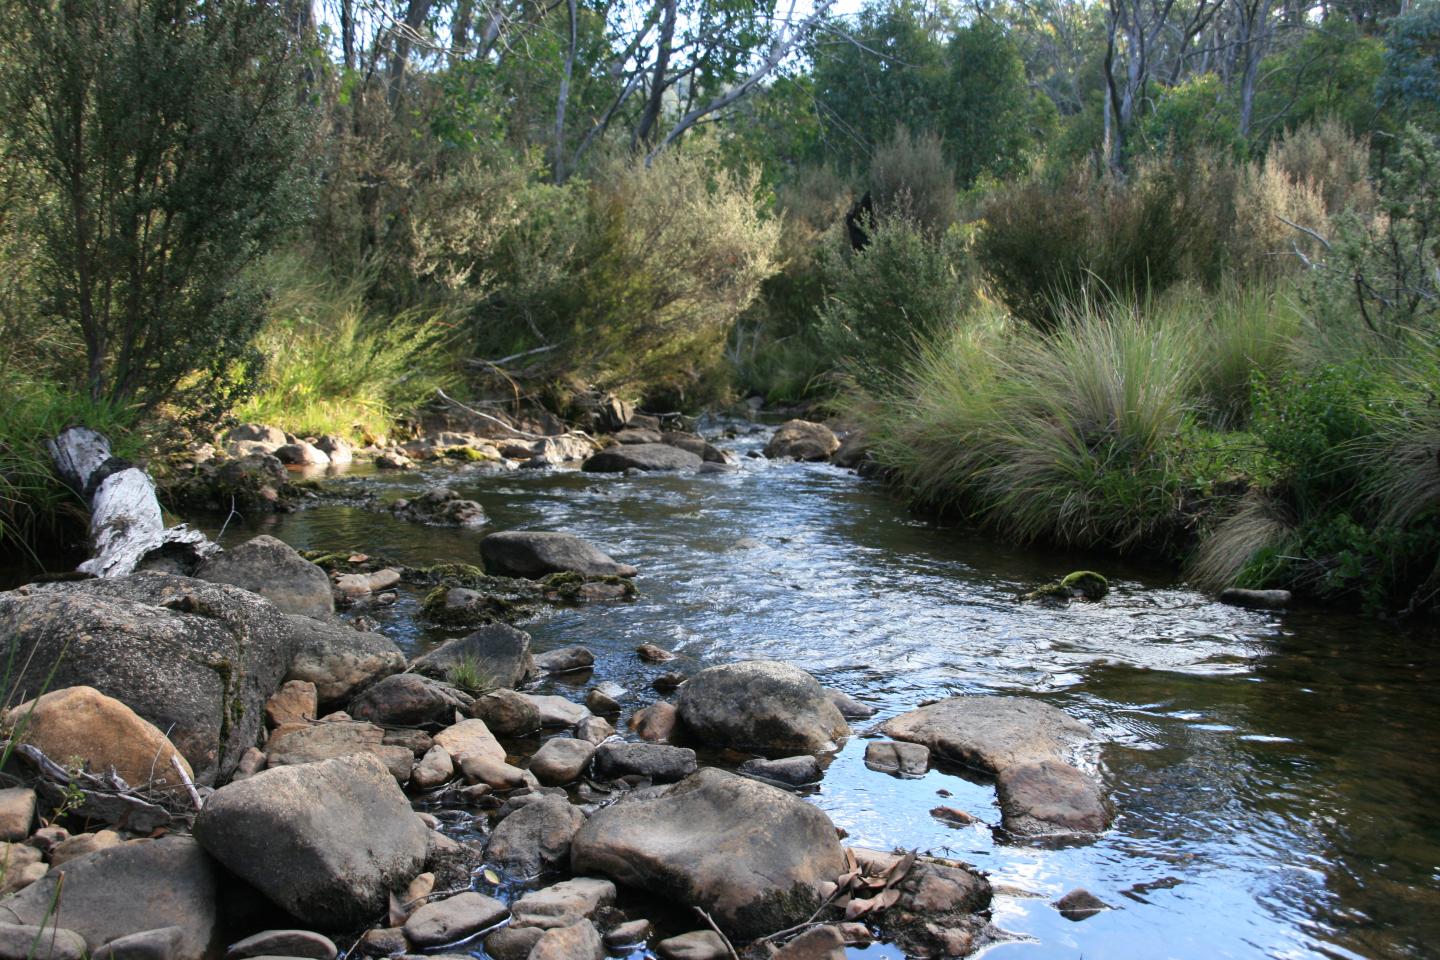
[752, 855]
[128, 889]
[1050, 797]
[81, 722]
[194, 658]
[534, 553]
[760, 705]
[641, 456]
[409, 700]
[990, 733]
[328, 842]
[497, 654]
[274, 570]
[802, 440]
[340, 661]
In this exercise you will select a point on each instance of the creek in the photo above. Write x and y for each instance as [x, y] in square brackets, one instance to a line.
[1275, 774]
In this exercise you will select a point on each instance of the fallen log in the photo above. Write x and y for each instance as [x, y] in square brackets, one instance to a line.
[127, 527]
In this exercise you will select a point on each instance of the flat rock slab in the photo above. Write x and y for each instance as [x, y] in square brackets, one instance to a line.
[760, 705]
[789, 771]
[750, 854]
[283, 943]
[454, 918]
[990, 733]
[696, 945]
[299, 743]
[660, 762]
[1050, 797]
[535, 553]
[578, 941]
[642, 456]
[556, 711]
[564, 903]
[902, 759]
[327, 841]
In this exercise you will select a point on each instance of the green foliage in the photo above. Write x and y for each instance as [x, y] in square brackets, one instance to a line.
[166, 139]
[910, 180]
[468, 675]
[338, 365]
[1330, 74]
[1198, 112]
[901, 289]
[1410, 82]
[994, 122]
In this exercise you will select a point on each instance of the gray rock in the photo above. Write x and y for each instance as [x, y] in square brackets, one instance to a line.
[340, 661]
[1049, 797]
[659, 762]
[902, 759]
[274, 570]
[990, 733]
[695, 444]
[499, 653]
[337, 448]
[325, 841]
[1080, 904]
[633, 435]
[852, 452]
[441, 507]
[507, 713]
[23, 942]
[594, 730]
[628, 934]
[656, 722]
[696, 945]
[599, 701]
[556, 711]
[302, 454]
[802, 440]
[409, 700]
[789, 772]
[271, 437]
[534, 553]
[1257, 599]
[196, 659]
[283, 943]
[565, 660]
[849, 707]
[641, 456]
[130, 889]
[454, 918]
[160, 944]
[760, 705]
[751, 855]
[536, 838]
[434, 769]
[512, 942]
[309, 743]
[564, 903]
[579, 941]
[561, 760]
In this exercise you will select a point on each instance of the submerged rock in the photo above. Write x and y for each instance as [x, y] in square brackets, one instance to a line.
[750, 854]
[1080, 904]
[534, 553]
[273, 569]
[327, 841]
[1082, 584]
[760, 705]
[648, 457]
[904, 759]
[802, 440]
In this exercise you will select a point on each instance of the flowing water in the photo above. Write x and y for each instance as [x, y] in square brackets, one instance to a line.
[1275, 775]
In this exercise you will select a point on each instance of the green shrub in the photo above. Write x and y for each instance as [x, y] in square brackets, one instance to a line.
[911, 180]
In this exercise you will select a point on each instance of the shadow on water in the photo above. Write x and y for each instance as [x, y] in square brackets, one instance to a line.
[1275, 775]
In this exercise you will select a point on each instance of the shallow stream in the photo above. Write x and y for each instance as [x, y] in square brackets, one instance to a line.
[1276, 775]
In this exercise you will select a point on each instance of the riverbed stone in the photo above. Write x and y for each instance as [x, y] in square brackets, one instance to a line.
[656, 722]
[25, 942]
[564, 903]
[17, 811]
[750, 854]
[902, 759]
[264, 434]
[600, 701]
[561, 760]
[441, 507]
[301, 453]
[1047, 797]
[788, 771]
[695, 444]
[302, 743]
[82, 845]
[849, 707]
[196, 659]
[328, 841]
[507, 713]
[129, 889]
[497, 652]
[454, 918]
[1080, 904]
[760, 705]
[409, 700]
[990, 733]
[470, 738]
[556, 711]
[340, 661]
[273, 569]
[650, 653]
[695, 945]
[337, 448]
[594, 730]
[1256, 599]
[513, 943]
[295, 702]
[495, 774]
[434, 769]
[565, 660]
[802, 440]
[536, 838]
[305, 944]
[159, 944]
[659, 762]
[535, 553]
[628, 934]
[578, 941]
[818, 943]
[641, 456]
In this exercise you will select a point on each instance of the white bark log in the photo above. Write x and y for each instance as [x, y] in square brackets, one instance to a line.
[126, 523]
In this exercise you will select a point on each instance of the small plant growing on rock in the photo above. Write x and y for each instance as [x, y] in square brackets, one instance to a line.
[1082, 584]
[468, 676]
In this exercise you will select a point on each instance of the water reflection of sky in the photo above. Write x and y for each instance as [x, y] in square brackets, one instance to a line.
[1275, 777]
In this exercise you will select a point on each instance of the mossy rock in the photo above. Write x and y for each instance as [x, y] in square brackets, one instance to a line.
[448, 574]
[467, 454]
[1082, 584]
[484, 608]
[576, 587]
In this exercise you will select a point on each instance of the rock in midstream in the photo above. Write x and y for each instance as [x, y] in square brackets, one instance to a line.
[752, 855]
[534, 553]
[641, 456]
[760, 705]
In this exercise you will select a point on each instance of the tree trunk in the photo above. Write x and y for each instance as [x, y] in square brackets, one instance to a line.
[127, 527]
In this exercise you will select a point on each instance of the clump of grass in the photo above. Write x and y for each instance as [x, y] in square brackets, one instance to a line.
[467, 674]
[333, 363]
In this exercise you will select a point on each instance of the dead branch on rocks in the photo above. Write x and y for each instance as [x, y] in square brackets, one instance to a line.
[104, 797]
